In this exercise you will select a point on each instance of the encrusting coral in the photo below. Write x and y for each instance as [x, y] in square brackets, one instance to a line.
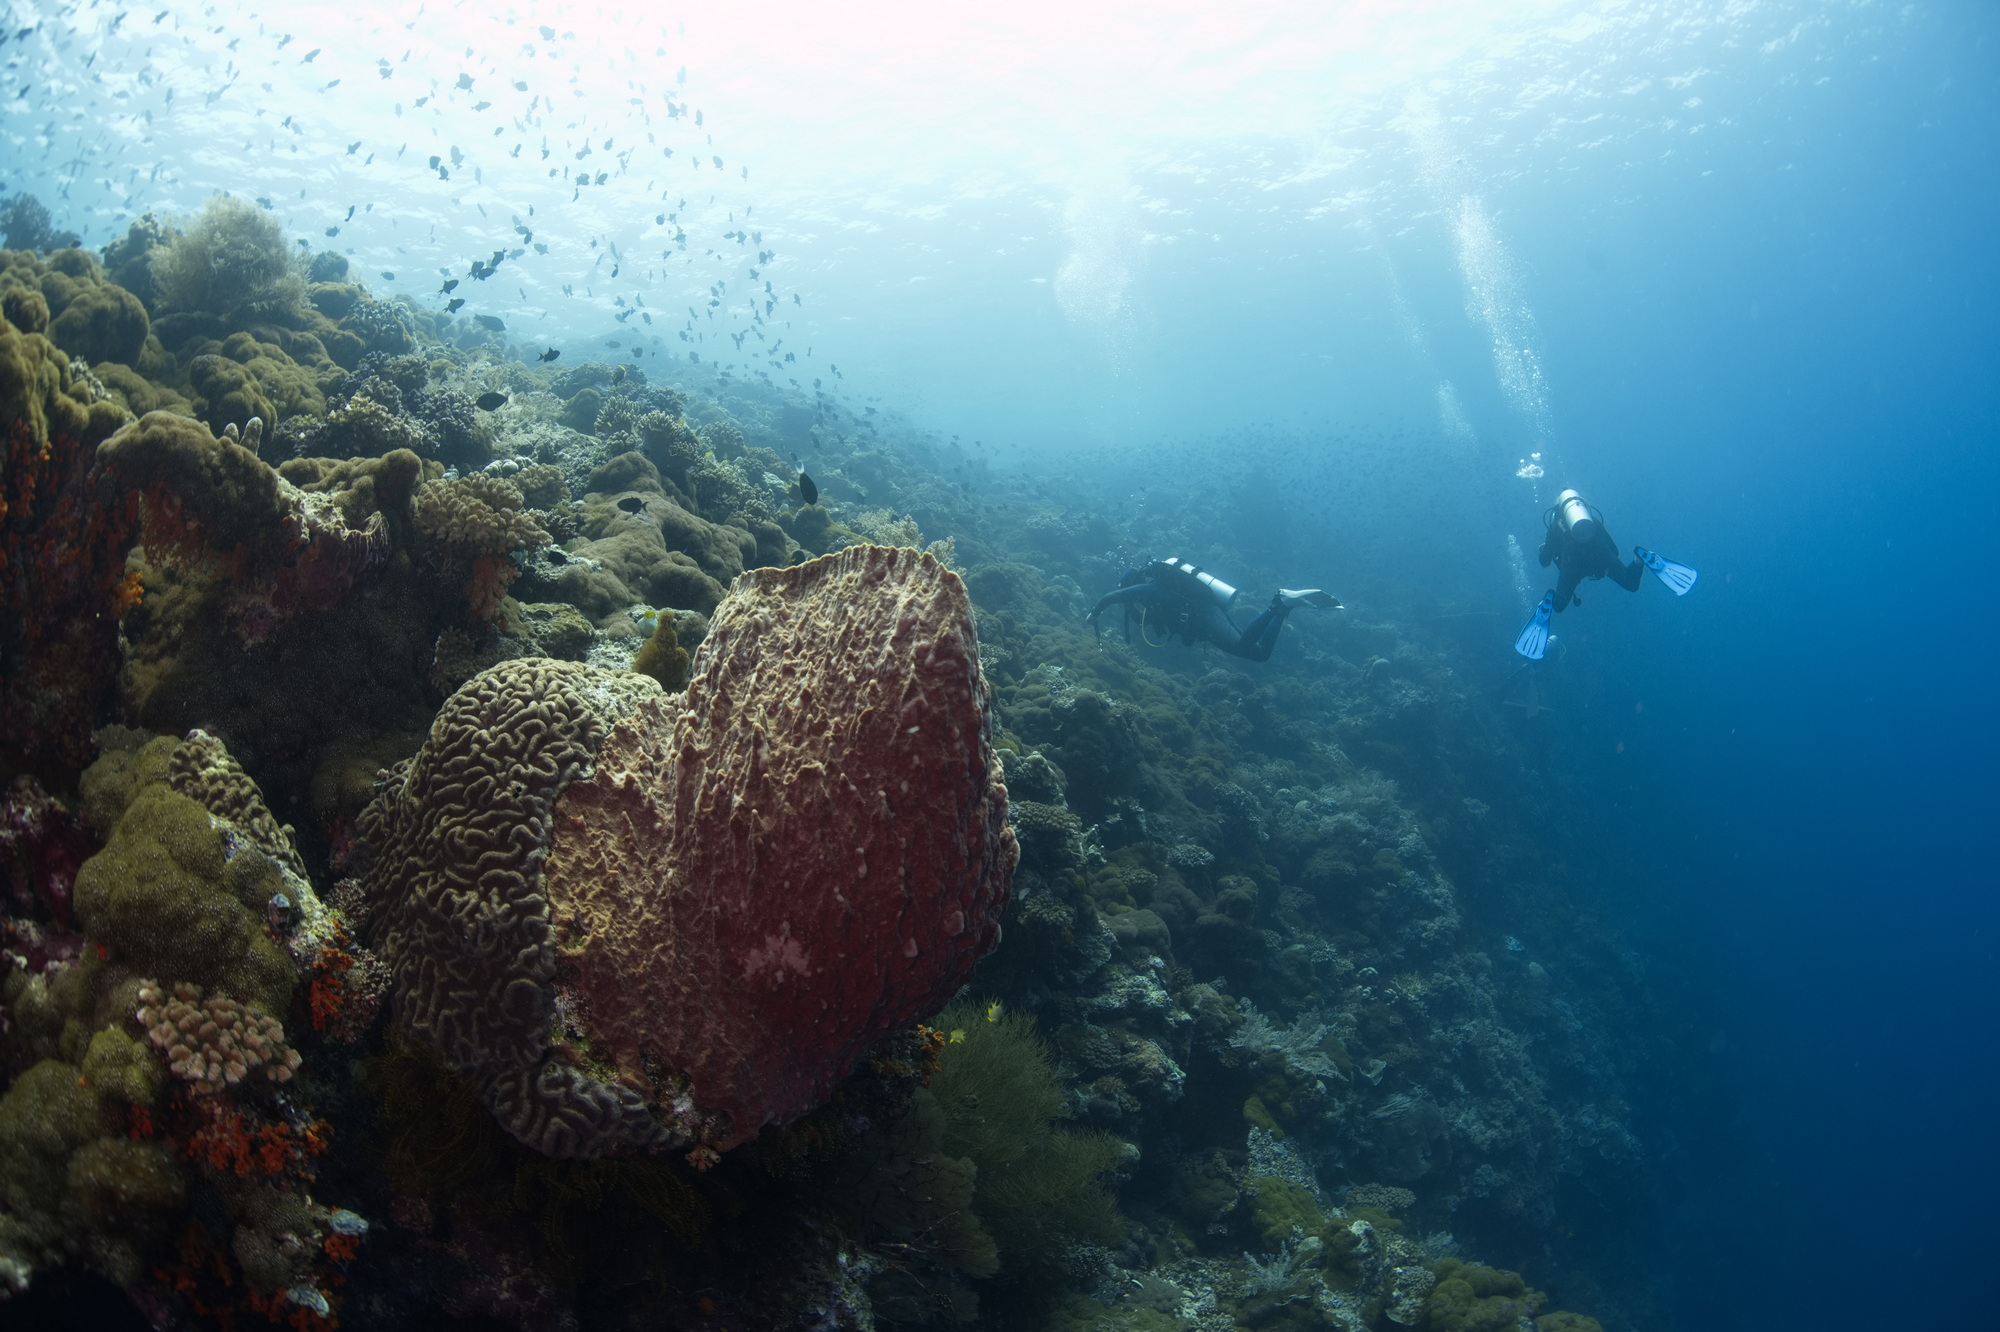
[63, 581]
[699, 918]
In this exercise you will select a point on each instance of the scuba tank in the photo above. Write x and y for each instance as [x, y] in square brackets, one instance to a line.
[1577, 517]
[1222, 593]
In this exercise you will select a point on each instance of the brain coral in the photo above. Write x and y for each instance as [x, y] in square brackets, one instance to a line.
[636, 919]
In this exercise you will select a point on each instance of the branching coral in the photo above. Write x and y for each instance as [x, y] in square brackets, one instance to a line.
[25, 224]
[230, 257]
[213, 1042]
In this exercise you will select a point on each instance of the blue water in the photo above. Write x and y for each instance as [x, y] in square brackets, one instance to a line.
[1758, 331]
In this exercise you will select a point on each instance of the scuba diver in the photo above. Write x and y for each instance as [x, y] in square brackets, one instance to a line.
[1194, 604]
[1576, 540]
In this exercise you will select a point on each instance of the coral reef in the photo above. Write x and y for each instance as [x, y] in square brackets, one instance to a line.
[1244, 1056]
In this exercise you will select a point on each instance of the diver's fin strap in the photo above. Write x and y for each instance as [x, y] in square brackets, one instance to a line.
[1309, 596]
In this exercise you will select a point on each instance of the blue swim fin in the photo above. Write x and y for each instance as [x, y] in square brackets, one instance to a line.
[1676, 576]
[1534, 640]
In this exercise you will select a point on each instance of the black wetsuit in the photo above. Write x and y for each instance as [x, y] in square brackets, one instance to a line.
[1171, 603]
[1578, 560]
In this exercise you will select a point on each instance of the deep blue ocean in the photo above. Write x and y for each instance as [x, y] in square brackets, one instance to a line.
[1368, 284]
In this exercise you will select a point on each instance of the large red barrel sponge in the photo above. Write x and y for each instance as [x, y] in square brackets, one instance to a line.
[813, 854]
[696, 913]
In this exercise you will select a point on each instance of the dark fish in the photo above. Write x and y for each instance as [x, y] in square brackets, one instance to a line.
[549, 355]
[387, 276]
[490, 402]
[494, 322]
[618, 376]
[807, 489]
[449, 286]
[632, 504]
[451, 306]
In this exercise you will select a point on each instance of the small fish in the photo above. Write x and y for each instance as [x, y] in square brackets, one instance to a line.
[448, 287]
[494, 322]
[387, 276]
[807, 490]
[632, 504]
[993, 1011]
[451, 306]
[957, 1036]
[490, 402]
[549, 355]
[618, 376]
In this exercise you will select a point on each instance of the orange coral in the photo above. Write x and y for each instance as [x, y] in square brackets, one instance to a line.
[229, 1142]
[492, 575]
[327, 993]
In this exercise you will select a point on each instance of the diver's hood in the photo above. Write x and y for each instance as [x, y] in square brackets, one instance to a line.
[1174, 567]
[1576, 516]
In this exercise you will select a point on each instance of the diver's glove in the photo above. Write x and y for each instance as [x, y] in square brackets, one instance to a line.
[1534, 640]
[1676, 576]
[1310, 596]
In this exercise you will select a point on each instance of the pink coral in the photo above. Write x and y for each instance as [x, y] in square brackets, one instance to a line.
[42, 844]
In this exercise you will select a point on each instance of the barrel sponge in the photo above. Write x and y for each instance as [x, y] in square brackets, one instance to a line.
[159, 897]
[698, 912]
[458, 834]
[804, 853]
